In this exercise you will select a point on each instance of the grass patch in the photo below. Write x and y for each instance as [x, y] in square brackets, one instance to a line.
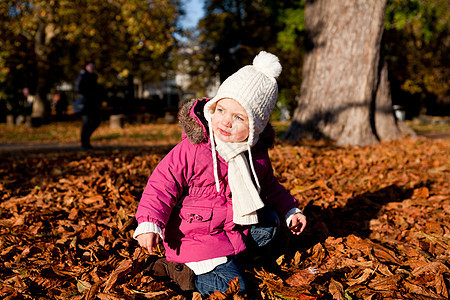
[69, 132]
[155, 133]
[108, 136]
[51, 133]
[280, 127]
[430, 125]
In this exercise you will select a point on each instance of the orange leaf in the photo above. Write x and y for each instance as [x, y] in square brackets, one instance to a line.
[233, 286]
[441, 287]
[88, 232]
[364, 276]
[422, 193]
[301, 278]
[433, 267]
[92, 200]
[119, 272]
[336, 289]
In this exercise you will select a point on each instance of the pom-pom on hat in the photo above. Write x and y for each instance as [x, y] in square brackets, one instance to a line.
[255, 88]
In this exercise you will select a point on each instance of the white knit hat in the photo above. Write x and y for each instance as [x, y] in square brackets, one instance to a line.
[255, 88]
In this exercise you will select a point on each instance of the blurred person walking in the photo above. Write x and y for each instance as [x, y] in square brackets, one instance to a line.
[88, 102]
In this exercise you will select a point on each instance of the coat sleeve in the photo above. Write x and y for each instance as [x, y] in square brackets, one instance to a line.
[78, 82]
[165, 185]
[272, 192]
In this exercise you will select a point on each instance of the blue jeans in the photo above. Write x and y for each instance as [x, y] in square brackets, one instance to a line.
[218, 279]
[260, 235]
[266, 229]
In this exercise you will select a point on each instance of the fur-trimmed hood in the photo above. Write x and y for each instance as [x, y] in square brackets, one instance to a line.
[195, 126]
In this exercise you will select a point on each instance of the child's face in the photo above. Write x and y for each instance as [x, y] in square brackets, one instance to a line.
[230, 121]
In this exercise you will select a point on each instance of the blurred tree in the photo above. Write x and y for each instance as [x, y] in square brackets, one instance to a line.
[291, 51]
[415, 42]
[49, 41]
[345, 94]
[234, 31]
[417, 48]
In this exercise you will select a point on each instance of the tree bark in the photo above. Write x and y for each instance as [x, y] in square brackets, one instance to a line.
[41, 110]
[385, 122]
[345, 93]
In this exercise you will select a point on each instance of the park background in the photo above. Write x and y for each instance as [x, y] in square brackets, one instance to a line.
[378, 208]
[151, 56]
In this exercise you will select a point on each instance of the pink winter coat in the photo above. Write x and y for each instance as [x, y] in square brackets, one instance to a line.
[181, 196]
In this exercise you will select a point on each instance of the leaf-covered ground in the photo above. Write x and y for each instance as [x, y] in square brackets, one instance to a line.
[379, 224]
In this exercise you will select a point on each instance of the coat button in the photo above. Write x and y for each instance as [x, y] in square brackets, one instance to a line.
[179, 267]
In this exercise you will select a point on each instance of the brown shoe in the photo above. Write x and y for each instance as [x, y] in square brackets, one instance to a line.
[179, 273]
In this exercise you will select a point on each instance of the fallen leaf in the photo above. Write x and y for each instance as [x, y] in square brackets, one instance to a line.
[336, 289]
[361, 279]
[434, 267]
[123, 268]
[83, 286]
[88, 232]
[302, 277]
[378, 222]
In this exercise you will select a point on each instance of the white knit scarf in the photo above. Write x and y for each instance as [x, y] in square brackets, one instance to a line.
[245, 195]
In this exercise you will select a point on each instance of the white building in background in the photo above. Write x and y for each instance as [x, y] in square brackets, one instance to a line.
[184, 68]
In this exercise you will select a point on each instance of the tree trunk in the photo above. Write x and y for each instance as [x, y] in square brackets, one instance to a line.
[40, 111]
[345, 93]
[385, 122]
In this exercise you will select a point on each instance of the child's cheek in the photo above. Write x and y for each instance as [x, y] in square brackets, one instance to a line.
[236, 129]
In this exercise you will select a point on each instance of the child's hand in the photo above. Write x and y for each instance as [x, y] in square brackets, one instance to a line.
[148, 241]
[298, 223]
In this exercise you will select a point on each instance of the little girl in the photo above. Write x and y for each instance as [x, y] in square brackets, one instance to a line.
[215, 191]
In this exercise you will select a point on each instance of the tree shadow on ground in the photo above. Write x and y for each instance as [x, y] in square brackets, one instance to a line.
[353, 218]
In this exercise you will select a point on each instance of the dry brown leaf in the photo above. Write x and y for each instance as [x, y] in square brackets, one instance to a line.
[297, 258]
[383, 269]
[105, 296]
[217, 296]
[88, 232]
[302, 278]
[93, 290]
[441, 288]
[385, 255]
[383, 207]
[419, 290]
[19, 220]
[361, 279]
[422, 192]
[233, 286]
[123, 268]
[336, 289]
[83, 286]
[434, 267]
[385, 283]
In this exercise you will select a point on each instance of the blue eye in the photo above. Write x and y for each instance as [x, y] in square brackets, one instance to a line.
[239, 118]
